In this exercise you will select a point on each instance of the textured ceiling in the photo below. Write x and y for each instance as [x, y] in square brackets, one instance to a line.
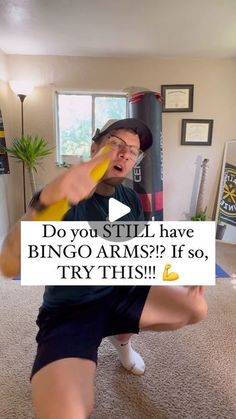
[161, 28]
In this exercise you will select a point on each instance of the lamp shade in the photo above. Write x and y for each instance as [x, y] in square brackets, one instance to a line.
[21, 87]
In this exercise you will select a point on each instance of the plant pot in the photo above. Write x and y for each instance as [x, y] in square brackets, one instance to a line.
[220, 231]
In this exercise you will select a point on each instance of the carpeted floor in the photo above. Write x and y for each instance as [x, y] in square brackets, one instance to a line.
[190, 373]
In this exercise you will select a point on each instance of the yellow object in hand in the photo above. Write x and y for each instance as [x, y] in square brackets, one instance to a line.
[99, 171]
[56, 211]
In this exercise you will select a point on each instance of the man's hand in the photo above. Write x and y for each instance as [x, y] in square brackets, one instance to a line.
[78, 181]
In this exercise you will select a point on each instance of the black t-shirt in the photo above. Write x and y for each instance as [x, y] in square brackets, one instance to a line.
[92, 209]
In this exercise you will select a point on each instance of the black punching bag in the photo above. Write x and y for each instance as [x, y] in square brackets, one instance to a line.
[148, 175]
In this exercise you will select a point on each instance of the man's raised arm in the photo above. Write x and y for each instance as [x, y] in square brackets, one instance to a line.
[73, 185]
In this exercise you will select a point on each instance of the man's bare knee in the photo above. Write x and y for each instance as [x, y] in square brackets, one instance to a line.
[198, 311]
[63, 389]
[89, 408]
[67, 411]
[83, 411]
[80, 411]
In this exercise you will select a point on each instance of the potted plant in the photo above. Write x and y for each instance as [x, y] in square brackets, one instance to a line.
[30, 150]
[201, 216]
[220, 230]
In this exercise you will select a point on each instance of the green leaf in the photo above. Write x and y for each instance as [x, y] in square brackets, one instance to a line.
[199, 217]
[29, 150]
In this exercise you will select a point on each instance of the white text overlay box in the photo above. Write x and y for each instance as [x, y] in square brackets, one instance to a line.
[161, 253]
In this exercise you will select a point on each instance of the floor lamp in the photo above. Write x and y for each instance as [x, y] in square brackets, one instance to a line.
[22, 89]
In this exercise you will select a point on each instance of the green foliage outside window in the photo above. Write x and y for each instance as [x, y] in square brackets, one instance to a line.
[77, 121]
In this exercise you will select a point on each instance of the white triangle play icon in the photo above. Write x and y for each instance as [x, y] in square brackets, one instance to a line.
[116, 209]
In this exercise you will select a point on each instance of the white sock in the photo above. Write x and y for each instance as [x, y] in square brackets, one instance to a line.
[129, 358]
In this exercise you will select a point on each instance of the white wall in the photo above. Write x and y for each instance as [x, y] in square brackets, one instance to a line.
[3, 66]
[215, 98]
[10, 185]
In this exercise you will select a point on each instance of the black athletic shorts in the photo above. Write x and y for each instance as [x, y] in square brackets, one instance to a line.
[77, 331]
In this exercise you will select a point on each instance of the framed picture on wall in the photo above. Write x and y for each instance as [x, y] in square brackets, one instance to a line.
[177, 97]
[196, 131]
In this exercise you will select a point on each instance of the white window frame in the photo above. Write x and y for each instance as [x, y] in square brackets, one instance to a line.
[89, 93]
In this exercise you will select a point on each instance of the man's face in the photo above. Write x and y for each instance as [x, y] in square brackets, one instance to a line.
[124, 156]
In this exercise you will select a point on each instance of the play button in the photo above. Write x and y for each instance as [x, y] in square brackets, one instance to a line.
[116, 210]
[114, 213]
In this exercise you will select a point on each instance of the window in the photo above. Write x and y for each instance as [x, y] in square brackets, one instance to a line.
[78, 115]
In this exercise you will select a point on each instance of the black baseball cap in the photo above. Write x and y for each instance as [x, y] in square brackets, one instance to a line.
[138, 126]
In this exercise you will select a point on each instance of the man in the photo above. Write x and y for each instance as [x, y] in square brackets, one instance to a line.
[73, 320]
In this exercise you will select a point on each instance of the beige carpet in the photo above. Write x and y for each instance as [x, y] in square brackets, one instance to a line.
[190, 374]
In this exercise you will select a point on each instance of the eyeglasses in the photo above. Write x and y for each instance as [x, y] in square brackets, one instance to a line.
[118, 144]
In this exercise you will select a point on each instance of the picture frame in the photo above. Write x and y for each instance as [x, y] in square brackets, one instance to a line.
[196, 132]
[177, 97]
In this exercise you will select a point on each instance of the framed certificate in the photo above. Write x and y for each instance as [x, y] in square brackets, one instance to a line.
[196, 131]
[177, 97]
